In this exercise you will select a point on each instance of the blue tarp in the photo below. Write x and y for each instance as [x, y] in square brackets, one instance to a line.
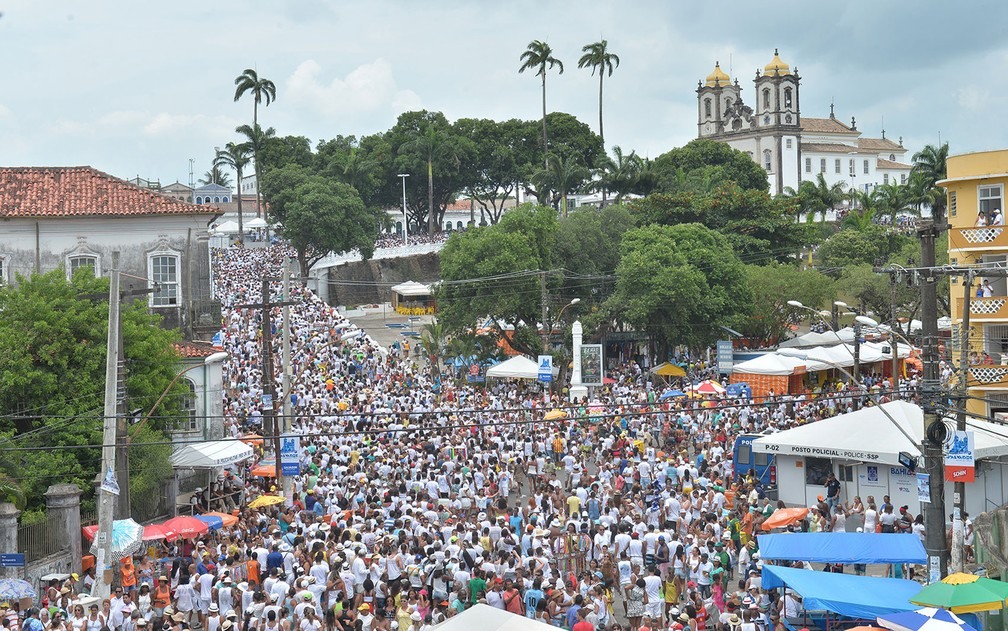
[843, 547]
[861, 597]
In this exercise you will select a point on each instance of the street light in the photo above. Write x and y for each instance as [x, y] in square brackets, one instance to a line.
[546, 332]
[869, 322]
[405, 221]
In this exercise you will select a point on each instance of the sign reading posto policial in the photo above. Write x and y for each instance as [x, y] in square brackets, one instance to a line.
[817, 452]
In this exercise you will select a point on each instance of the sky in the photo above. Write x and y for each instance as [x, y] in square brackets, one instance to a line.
[138, 88]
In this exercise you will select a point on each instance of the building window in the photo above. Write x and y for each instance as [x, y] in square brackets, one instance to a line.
[836, 165]
[846, 473]
[885, 178]
[766, 98]
[822, 165]
[808, 165]
[190, 423]
[866, 167]
[448, 226]
[989, 197]
[458, 225]
[78, 261]
[787, 143]
[707, 108]
[952, 204]
[851, 167]
[892, 157]
[4, 269]
[902, 178]
[787, 98]
[766, 159]
[164, 270]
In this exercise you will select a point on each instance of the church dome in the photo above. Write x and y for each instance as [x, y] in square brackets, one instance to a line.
[776, 66]
[718, 78]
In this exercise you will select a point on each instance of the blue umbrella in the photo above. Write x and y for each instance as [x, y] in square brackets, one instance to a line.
[669, 394]
[127, 538]
[213, 522]
[926, 619]
[16, 589]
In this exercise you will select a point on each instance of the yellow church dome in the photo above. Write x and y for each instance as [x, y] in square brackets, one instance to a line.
[776, 66]
[718, 77]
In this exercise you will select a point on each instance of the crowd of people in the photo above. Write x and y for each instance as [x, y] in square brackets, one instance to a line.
[392, 240]
[420, 498]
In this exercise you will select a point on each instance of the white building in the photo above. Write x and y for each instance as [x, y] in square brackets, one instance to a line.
[790, 147]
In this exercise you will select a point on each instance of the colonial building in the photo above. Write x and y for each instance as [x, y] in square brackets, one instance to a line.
[74, 217]
[790, 147]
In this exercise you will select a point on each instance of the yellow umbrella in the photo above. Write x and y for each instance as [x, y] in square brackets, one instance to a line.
[555, 415]
[668, 370]
[265, 500]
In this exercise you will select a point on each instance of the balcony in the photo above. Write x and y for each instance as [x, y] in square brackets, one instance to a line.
[988, 239]
[988, 309]
[989, 377]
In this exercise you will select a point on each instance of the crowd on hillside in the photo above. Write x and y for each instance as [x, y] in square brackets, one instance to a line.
[419, 499]
[423, 237]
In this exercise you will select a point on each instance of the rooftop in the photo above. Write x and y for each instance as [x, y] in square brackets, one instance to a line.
[81, 192]
[879, 144]
[828, 147]
[889, 164]
[826, 125]
[192, 350]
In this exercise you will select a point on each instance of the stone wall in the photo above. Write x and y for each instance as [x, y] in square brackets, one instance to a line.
[367, 282]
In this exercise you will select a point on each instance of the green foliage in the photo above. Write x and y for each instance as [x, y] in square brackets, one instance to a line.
[588, 242]
[699, 154]
[52, 368]
[871, 245]
[929, 166]
[772, 286]
[679, 283]
[277, 152]
[501, 151]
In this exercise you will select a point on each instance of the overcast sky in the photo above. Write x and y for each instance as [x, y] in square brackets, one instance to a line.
[138, 87]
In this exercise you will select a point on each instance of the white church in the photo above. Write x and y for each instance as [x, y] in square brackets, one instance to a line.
[791, 147]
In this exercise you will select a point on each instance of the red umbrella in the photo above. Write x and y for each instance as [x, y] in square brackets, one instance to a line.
[186, 527]
[156, 532]
[709, 387]
[89, 531]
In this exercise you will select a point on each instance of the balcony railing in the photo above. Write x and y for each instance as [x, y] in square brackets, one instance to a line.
[987, 238]
[988, 376]
[988, 309]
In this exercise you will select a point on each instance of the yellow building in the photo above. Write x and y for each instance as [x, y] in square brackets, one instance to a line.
[975, 184]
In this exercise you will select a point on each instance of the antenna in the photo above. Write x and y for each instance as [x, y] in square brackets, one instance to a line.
[191, 160]
[883, 127]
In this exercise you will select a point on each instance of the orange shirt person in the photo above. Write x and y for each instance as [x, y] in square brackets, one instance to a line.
[127, 574]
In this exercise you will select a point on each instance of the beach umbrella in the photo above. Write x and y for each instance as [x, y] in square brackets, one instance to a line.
[216, 521]
[666, 369]
[554, 415]
[265, 500]
[963, 593]
[127, 538]
[156, 532]
[16, 589]
[926, 619]
[265, 469]
[785, 517]
[671, 394]
[709, 387]
[186, 527]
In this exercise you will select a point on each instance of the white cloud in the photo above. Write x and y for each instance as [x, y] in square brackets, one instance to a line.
[132, 122]
[367, 88]
[972, 97]
[165, 124]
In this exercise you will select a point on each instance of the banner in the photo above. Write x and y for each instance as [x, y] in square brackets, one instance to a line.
[546, 368]
[290, 454]
[959, 463]
[924, 488]
[591, 365]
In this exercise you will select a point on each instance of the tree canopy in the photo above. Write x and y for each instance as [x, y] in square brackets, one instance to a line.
[704, 155]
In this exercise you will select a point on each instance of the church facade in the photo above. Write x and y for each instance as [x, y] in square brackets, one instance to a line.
[790, 147]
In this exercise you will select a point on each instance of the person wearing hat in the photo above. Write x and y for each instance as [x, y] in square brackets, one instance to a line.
[365, 616]
[213, 619]
[160, 599]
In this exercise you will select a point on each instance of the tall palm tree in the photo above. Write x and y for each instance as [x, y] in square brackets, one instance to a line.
[215, 176]
[620, 174]
[929, 166]
[892, 199]
[429, 144]
[563, 175]
[539, 57]
[261, 89]
[237, 157]
[256, 139]
[599, 58]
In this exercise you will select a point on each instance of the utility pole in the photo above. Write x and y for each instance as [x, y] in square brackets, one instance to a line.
[542, 298]
[108, 488]
[892, 337]
[857, 347]
[123, 508]
[288, 483]
[959, 488]
[934, 514]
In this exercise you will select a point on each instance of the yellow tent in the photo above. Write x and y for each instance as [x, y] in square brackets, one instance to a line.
[668, 370]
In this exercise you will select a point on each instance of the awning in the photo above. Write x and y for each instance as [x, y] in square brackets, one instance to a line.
[412, 288]
[844, 594]
[843, 547]
[211, 454]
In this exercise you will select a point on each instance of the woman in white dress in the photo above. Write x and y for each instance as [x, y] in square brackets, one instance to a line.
[870, 517]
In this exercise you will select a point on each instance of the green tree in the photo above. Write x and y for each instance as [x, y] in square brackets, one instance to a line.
[588, 243]
[257, 138]
[772, 286]
[237, 157]
[215, 175]
[620, 174]
[279, 151]
[598, 57]
[736, 165]
[891, 199]
[563, 175]
[815, 197]
[868, 246]
[500, 151]
[52, 376]
[262, 90]
[433, 340]
[680, 284]
[539, 57]
[429, 143]
[929, 167]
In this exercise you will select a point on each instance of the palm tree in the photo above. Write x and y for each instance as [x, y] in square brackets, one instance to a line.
[598, 57]
[429, 143]
[11, 491]
[261, 89]
[563, 175]
[256, 139]
[620, 173]
[537, 57]
[432, 340]
[235, 157]
[863, 217]
[215, 176]
[892, 199]
[929, 167]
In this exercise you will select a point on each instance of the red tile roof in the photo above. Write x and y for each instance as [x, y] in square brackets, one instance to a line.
[81, 192]
[825, 125]
[889, 164]
[189, 350]
[879, 144]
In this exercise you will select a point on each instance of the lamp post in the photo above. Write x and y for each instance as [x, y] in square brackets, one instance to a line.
[405, 220]
[869, 322]
[547, 331]
[835, 313]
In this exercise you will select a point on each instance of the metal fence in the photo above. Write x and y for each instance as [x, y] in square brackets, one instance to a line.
[40, 540]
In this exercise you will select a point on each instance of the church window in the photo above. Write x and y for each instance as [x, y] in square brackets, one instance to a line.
[885, 178]
[902, 178]
[727, 104]
[892, 156]
[707, 108]
[787, 98]
[766, 98]
[766, 120]
[822, 165]
[866, 167]
[787, 119]
[787, 143]
[837, 165]
[766, 159]
[808, 165]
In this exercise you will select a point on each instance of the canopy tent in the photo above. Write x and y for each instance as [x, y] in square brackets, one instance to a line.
[770, 364]
[668, 369]
[844, 594]
[874, 434]
[410, 296]
[843, 547]
[211, 454]
[228, 227]
[412, 288]
[487, 618]
[518, 367]
[258, 222]
[827, 338]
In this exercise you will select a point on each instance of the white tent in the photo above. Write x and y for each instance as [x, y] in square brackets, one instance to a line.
[412, 288]
[827, 338]
[211, 454]
[769, 364]
[487, 618]
[874, 435]
[228, 227]
[519, 367]
[258, 222]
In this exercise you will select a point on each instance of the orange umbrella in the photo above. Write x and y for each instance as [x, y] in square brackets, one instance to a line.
[785, 517]
[254, 440]
[265, 469]
[227, 519]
